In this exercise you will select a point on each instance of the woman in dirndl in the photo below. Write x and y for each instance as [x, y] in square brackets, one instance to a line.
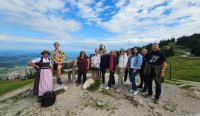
[44, 67]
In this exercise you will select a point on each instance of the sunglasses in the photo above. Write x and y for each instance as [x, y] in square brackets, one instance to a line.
[121, 51]
[82, 53]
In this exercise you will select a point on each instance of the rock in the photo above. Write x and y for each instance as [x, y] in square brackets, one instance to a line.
[197, 93]
[141, 102]
[87, 83]
[197, 114]
[156, 112]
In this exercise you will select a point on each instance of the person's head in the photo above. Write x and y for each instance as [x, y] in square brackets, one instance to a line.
[135, 50]
[104, 52]
[112, 52]
[121, 51]
[100, 45]
[129, 52]
[96, 51]
[82, 54]
[45, 53]
[155, 47]
[144, 51]
[56, 45]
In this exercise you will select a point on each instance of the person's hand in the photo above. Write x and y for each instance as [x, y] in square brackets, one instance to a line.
[162, 74]
[134, 70]
[145, 72]
[37, 67]
[88, 67]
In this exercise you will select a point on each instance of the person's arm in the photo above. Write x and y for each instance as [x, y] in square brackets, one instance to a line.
[88, 63]
[32, 63]
[54, 59]
[164, 66]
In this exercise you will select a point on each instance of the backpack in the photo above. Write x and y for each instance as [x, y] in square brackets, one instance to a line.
[48, 99]
[41, 61]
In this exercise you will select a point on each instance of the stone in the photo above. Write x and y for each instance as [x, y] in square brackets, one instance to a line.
[156, 112]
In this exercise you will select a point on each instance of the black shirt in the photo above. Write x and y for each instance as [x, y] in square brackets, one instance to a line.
[156, 58]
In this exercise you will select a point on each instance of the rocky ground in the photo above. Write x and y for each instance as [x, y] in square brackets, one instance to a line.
[179, 98]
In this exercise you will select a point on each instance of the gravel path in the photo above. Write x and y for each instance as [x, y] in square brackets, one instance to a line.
[180, 98]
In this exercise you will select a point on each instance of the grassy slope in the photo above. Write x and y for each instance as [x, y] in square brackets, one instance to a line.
[184, 68]
[6, 86]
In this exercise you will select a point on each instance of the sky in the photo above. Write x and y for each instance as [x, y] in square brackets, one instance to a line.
[84, 24]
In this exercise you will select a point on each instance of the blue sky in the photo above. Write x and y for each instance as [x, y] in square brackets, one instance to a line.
[83, 24]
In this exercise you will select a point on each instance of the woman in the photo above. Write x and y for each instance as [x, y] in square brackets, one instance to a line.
[123, 59]
[135, 66]
[103, 65]
[95, 64]
[112, 66]
[44, 66]
[127, 71]
[83, 65]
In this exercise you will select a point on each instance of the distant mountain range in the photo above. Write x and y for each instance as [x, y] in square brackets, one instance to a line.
[11, 59]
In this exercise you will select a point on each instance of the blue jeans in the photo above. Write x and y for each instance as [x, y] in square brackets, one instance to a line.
[133, 75]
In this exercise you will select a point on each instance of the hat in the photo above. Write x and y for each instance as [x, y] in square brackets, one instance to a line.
[45, 51]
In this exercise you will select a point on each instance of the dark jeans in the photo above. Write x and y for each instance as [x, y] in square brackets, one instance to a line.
[133, 75]
[80, 74]
[143, 79]
[111, 79]
[151, 77]
[127, 73]
[103, 72]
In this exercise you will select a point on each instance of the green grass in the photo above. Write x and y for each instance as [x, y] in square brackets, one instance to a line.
[183, 68]
[95, 86]
[6, 86]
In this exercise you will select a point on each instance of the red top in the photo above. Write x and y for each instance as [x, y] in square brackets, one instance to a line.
[82, 64]
[112, 63]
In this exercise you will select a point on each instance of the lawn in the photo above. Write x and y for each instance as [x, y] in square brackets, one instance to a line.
[6, 86]
[184, 68]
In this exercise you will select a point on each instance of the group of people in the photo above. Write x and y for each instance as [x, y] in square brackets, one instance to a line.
[151, 66]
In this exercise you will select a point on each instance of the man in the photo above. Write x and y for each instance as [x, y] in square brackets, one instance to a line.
[101, 48]
[155, 68]
[58, 58]
[103, 65]
[143, 77]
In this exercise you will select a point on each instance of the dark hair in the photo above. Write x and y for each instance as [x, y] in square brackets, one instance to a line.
[56, 43]
[133, 50]
[83, 52]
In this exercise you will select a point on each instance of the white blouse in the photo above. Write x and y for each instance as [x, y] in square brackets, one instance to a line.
[44, 60]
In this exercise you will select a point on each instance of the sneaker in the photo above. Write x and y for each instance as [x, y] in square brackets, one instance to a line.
[156, 101]
[107, 88]
[59, 81]
[135, 92]
[131, 91]
[143, 91]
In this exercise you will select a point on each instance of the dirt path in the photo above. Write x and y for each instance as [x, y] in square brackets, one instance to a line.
[178, 98]
[186, 54]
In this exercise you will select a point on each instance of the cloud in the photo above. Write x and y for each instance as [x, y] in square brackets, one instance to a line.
[40, 15]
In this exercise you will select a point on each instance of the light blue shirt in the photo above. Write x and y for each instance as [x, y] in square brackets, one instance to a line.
[136, 61]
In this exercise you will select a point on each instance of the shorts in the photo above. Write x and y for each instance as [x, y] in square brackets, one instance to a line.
[55, 66]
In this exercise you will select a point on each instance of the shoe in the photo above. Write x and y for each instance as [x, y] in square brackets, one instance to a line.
[140, 86]
[131, 91]
[135, 92]
[39, 99]
[59, 81]
[148, 95]
[156, 101]
[143, 91]
[107, 88]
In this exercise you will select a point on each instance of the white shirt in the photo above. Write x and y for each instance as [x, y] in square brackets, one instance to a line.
[44, 60]
[96, 61]
[123, 59]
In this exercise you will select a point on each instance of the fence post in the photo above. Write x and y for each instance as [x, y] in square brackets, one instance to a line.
[73, 72]
[170, 71]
